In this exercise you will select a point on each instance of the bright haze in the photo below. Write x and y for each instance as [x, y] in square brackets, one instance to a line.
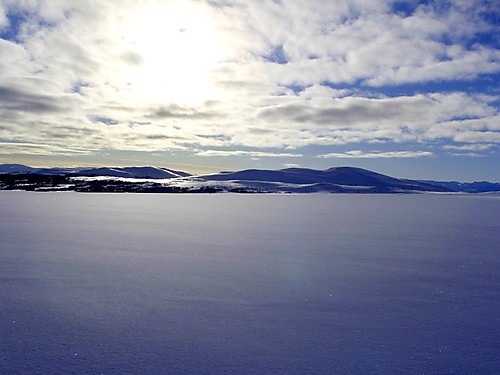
[406, 88]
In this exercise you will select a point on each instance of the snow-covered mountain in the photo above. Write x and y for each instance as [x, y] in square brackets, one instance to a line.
[124, 172]
[16, 168]
[340, 179]
[133, 172]
[468, 187]
[153, 179]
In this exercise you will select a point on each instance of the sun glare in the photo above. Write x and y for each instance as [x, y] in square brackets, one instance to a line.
[176, 46]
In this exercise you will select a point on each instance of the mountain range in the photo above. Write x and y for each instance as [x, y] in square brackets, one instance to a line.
[125, 172]
[293, 180]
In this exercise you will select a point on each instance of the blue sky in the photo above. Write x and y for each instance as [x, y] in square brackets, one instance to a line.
[407, 88]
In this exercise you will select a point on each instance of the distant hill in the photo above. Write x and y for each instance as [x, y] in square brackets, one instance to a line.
[16, 168]
[340, 179]
[133, 172]
[468, 187]
[153, 179]
[124, 172]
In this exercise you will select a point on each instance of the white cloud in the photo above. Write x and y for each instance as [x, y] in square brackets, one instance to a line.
[94, 74]
[471, 147]
[257, 154]
[374, 45]
[469, 155]
[357, 154]
[42, 149]
[477, 136]
[476, 130]
[4, 21]
[465, 67]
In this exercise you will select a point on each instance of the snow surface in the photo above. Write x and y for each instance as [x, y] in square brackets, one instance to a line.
[249, 284]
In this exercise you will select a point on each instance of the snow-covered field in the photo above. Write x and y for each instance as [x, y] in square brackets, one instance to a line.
[249, 284]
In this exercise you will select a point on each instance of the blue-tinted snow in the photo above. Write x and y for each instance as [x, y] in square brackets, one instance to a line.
[275, 284]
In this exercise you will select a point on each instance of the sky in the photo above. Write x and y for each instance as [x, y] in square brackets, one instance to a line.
[406, 88]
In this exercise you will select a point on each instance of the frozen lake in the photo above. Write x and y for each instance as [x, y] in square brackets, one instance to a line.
[249, 284]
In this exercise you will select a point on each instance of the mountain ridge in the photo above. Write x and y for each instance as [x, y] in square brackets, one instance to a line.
[337, 178]
[294, 180]
[125, 172]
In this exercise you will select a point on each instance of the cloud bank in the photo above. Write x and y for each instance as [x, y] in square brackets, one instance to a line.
[220, 77]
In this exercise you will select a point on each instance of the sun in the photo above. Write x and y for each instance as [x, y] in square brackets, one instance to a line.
[177, 46]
